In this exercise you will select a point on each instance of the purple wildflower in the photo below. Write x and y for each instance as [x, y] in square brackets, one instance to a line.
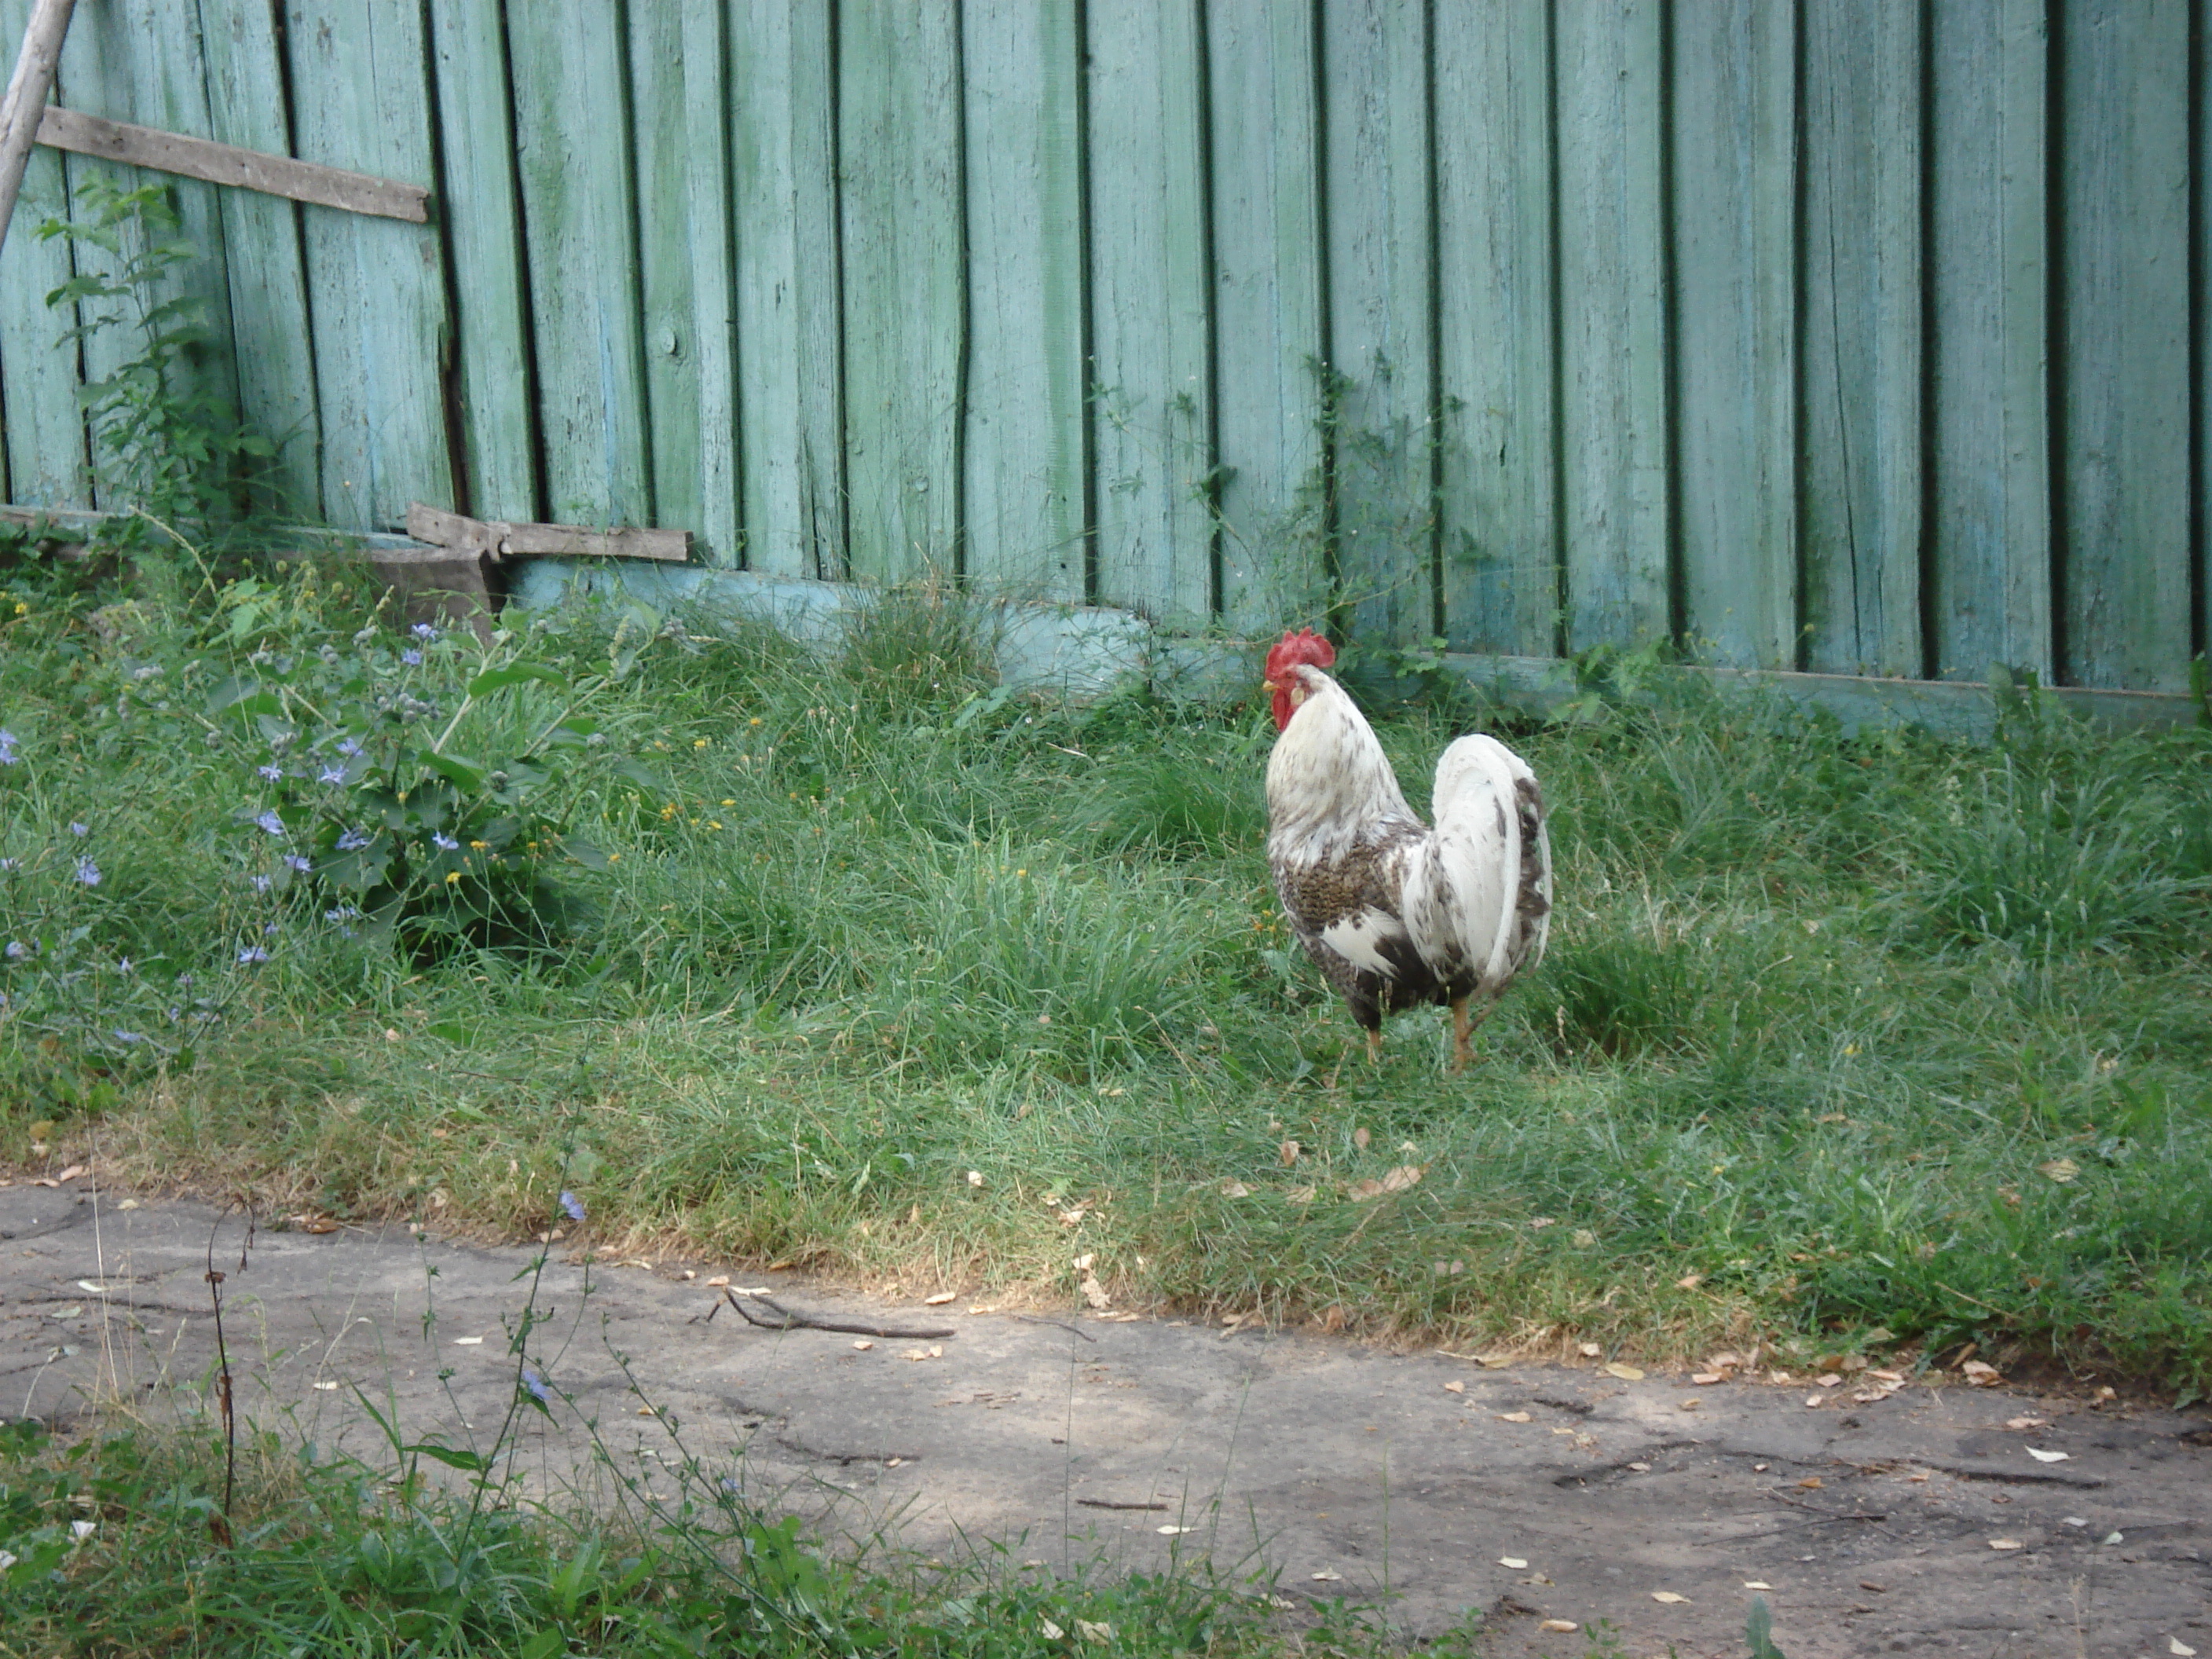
[353, 840]
[330, 774]
[271, 822]
[17, 950]
[537, 1384]
[270, 929]
[573, 1206]
[443, 842]
[271, 771]
[298, 863]
[11, 864]
[122, 1035]
[349, 748]
[80, 829]
[260, 884]
[87, 872]
[423, 631]
[411, 657]
[253, 953]
[123, 965]
[8, 755]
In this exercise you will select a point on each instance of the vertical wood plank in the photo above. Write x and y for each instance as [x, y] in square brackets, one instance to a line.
[1375, 83]
[661, 144]
[1024, 414]
[706, 52]
[574, 152]
[1861, 504]
[903, 217]
[2125, 302]
[791, 394]
[266, 265]
[477, 203]
[41, 424]
[1989, 268]
[1152, 418]
[1494, 181]
[1268, 311]
[1734, 158]
[1613, 323]
[140, 61]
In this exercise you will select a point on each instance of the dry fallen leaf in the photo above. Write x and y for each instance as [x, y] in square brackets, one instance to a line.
[1706, 1379]
[1397, 1181]
[932, 1351]
[1757, 1583]
[1360, 1137]
[1667, 1597]
[1235, 1190]
[2027, 1422]
[2060, 1169]
[1289, 1149]
[1325, 1576]
[1625, 1373]
[1640, 1469]
[1689, 1281]
[2179, 1649]
[1591, 1351]
[939, 1299]
[1565, 1431]
[1052, 1631]
[718, 1281]
[1829, 1382]
[1980, 1374]
[1094, 1293]
[1086, 1630]
[1564, 1627]
[2005, 1544]
[2048, 1457]
[864, 1345]
[128, 1204]
[1173, 1532]
[1514, 1562]
[1814, 1401]
[1689, 1405]
[70, 1174]
[1513, 1417]
[1812, 1483]
[1454, 1387]
[1298, 1196]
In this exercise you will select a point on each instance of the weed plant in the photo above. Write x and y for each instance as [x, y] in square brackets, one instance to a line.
[1844, 1041]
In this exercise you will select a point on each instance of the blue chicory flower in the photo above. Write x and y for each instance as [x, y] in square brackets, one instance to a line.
[80, 829]
[349, 748]
[423, 631]
[273, 772]
[253, 953]
[411, 657]
[298, 863]
[443, 842]
[87, 872]
[538, 1389]
[260, 884]
[122, 1035]
[17, 950]
[574, 1206]
[330, 774]
[8, 755]
[354, 840]
[271, 822]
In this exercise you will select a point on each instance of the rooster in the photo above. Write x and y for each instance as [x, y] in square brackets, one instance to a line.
[1396, 913]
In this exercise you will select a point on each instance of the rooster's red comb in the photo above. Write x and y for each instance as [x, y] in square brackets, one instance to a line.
[1304, 646]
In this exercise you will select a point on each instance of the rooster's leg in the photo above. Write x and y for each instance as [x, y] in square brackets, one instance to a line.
[1463, 1024]
[1375, 1048]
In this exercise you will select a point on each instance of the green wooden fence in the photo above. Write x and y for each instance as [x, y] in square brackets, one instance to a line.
[1854, 336]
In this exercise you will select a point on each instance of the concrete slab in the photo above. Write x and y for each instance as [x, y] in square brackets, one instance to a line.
[1345, 1470]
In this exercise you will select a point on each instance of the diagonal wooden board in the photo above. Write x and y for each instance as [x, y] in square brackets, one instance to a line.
[227, 164]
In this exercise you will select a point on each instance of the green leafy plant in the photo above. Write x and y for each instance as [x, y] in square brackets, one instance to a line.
[166, 439]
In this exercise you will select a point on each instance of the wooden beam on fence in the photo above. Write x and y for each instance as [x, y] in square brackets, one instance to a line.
[27, 95]
[510, 541]
[227, 164]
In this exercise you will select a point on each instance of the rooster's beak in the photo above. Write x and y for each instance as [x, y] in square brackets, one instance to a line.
[1269, 686]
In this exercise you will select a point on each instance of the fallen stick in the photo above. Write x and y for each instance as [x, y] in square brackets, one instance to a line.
[1107, 1503]
[799, 1322]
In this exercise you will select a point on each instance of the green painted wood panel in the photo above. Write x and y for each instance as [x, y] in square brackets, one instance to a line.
[1024, 447]
[1735, 157]
[1860, 509]
[1499, 478]
[1381, 315]
[707, 94]
[1989, 271]
[43, 429]
[1613, 332]
[481, 215]
[790, 407]
[262, 250]
[1152, 416]
[2201, 299]
[361, 82]
[2125, 569]
[659, 68]
[902, 228]
[1268, 342]
[579, 202]
[140, 61]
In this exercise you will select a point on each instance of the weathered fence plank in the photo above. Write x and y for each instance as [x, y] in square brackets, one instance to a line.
[579, 178]
[140, 59]
[1267, 310]
[359, 80]
[2124, 570]
[1989, 271]
[1024, 451]
[1498, 480]
[1735, 154]
[263, 252]
[790, 409]
[1613, 323]
[1380, 318]
[899, 141]
[44, 465]
[660, 67]
[1861, 362]
[482, 217]
[1153, 411]
[707, 98]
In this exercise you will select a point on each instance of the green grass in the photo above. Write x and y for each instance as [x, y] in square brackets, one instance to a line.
[1838, 1037]
[336, 1558]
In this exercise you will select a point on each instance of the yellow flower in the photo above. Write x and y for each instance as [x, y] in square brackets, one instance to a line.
[480, 845]
[729, 803]
[614, 858]
[698, 743]
[23, 610]
[714, 824]
[452, 876]
[668, 810]
[755, 721]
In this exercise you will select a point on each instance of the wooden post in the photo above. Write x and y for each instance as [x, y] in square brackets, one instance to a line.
[27, 97]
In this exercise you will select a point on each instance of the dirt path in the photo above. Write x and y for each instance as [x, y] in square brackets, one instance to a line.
[1408, 1480]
